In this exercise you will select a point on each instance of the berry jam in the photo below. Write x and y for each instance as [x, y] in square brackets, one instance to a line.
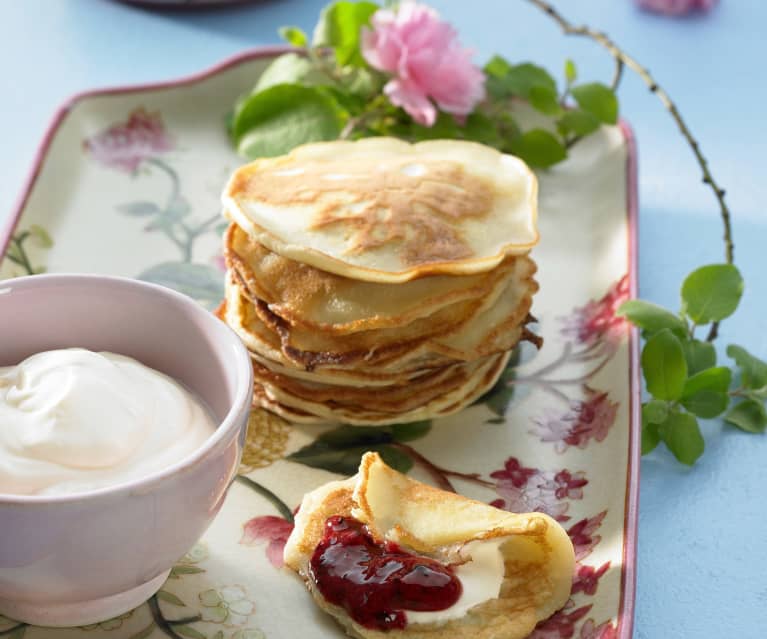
[376, 582]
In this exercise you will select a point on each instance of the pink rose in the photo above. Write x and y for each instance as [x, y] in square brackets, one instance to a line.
[429, 65]
[125, 145]
[676, 7]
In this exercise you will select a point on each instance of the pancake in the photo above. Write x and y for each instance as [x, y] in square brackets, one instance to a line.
[449, 401]
[383, 210]
[532, 552]
[461, 331]
[395, 398]
[310, 298]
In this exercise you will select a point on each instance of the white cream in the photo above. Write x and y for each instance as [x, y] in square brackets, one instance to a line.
[73, 420]
[481, 580]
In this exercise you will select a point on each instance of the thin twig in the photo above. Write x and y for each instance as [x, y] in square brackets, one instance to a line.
[624, 59]
[617, 75]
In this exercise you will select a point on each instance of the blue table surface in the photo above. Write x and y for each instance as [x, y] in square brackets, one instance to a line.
[702, 566]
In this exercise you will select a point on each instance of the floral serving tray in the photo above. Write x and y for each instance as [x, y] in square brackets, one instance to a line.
[127, 182]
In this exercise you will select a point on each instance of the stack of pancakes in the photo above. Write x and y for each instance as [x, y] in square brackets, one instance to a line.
[376, 281]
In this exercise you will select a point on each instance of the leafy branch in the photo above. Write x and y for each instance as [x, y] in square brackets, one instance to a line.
[680, 370]
[624, 59]
[328, 91]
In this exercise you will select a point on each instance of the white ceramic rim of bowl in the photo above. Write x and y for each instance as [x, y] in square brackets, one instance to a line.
[243, 393]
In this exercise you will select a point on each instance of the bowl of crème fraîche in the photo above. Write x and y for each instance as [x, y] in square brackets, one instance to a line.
[123, 411]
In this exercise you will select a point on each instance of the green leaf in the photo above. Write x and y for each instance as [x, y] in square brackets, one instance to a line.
[482, 129]
[339, 27]
[757, 394]
[749, 415]
[650, 437]
[497, 67]
[394, 457]
[42, 236]
[715, 379]
[188, 631]
[294, 36]
[712, 293]
[348, 101]
[282, 117]
[411, 431]
[681, 433]
[347, 436]
[706, 404]
[578, 122]
[571, 73]
[170, 598]
[699, 355]
[443, 128]
[289, 68]
[753, 370]
[346, 460]
[664, 366]
[655, 411]
[705, 393]
[651, 317]
[597, 99]
[538, 148]
[362, 84]
[199, 281]
[545, 100]
[521, 79]
[340, 450]
[139, 208]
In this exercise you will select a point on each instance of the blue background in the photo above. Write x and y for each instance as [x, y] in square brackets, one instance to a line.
[702, 568]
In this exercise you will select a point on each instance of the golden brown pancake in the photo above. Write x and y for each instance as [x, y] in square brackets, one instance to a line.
[383, 210]
[313, 299]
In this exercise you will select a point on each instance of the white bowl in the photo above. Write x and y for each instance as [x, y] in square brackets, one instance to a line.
[77, 559]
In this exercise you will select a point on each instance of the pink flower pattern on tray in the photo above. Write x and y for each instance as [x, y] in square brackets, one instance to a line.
[586, 579]
[596, 321]
[532, 490]
[125, 145]
[585, 420]
[561, 625]
[271, 529]
[583, 535]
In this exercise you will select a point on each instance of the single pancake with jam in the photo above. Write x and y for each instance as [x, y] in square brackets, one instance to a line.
[388, 556]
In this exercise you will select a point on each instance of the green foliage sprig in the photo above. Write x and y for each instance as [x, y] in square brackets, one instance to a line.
[680, 369]
[325, 90]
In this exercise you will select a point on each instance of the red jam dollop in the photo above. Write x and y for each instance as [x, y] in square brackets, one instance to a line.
[376, 582]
